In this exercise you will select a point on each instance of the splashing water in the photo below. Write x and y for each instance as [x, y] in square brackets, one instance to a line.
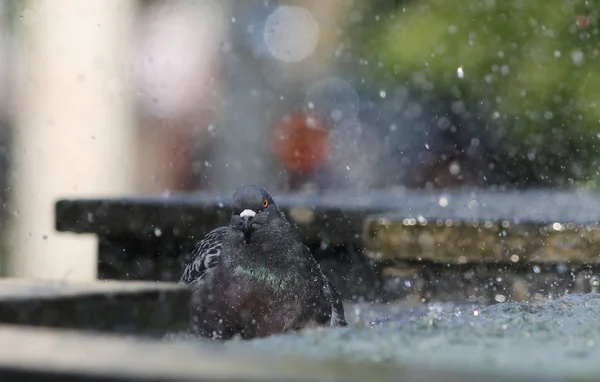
[559, 337]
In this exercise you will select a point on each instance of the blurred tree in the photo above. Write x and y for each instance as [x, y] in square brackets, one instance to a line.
[521, 72]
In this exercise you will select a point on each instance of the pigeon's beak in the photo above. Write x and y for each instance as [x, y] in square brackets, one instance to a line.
[247, 223]
[247, 217]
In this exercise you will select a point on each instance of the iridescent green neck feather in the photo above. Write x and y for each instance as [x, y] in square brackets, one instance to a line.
[273, 280]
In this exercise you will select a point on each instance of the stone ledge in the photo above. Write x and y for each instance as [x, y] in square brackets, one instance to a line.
[62, 355]
[486, 283]
[125, 307]
[319, 216]
[452, 241]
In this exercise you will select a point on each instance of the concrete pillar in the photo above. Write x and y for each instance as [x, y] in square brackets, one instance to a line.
[74, 128]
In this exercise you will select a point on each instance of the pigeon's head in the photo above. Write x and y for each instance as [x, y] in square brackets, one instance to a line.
[252, 209]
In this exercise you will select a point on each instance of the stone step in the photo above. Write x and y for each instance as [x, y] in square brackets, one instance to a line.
[456, 241]
[318, 216]
[334, 216]
[486, 283]
[151, 237]
[534, 227]
[488, 248]
[58, 355]
[147, 308]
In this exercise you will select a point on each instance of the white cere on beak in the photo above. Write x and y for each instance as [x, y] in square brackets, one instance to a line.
[248, 213]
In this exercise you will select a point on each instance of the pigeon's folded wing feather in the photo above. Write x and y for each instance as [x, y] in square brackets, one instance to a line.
[337, 309]
[337, 317]
[204, 256]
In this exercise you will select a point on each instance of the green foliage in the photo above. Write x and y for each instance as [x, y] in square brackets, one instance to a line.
[534, 62]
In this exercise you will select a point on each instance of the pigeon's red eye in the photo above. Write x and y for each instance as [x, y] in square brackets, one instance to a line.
[265, 203]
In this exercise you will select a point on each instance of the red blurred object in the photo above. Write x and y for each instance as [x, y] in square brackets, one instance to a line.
[300, 142]
[583, 21]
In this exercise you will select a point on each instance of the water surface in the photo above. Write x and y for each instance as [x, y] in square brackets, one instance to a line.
[558, 337]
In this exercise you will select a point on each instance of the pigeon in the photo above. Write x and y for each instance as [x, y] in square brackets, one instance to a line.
[255, 277]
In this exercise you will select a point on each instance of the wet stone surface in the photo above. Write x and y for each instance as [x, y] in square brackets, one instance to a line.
[558, 338]
[545, 339]
[42, 354]
[108, 306]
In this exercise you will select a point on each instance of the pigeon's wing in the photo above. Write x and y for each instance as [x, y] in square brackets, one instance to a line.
[204, 256]
[334, 302]
[337, 309]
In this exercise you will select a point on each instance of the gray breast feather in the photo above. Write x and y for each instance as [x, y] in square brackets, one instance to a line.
[204, 256]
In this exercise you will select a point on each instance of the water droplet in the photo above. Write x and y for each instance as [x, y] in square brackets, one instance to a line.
[577, 57]
[473, 204]
[454, 169]
[594, 283]
[382, 93]
[291, 33]
[460, 73]
[331, 94]
[324, 245]
[562, 268]
[157, 232]
[336, 115]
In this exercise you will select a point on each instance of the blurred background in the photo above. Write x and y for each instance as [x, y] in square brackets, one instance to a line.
[112, 98]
